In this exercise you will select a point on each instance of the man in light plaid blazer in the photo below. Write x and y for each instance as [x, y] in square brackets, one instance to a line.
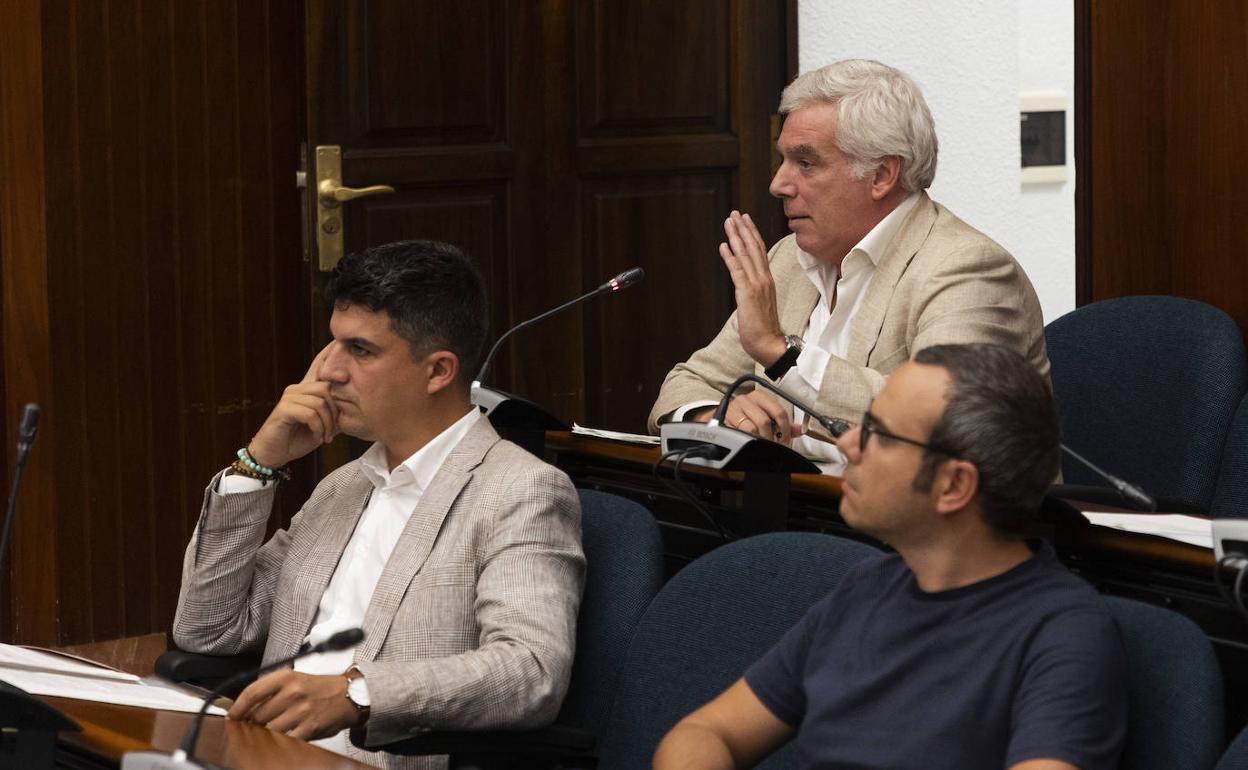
[457, 552]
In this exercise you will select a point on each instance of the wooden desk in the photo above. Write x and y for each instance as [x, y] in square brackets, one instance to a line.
[110, 731]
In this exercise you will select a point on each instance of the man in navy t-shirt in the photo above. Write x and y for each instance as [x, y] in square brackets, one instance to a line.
[972, 647]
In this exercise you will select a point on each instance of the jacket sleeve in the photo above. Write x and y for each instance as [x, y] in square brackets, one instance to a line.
[228, 576]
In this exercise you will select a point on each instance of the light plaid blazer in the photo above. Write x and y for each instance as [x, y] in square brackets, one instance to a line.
[940, 281]
[472, 623]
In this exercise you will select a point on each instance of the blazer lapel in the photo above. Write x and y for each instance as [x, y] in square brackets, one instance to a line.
[865, 329]
[802, 296]
[421, 533]
[322, 560]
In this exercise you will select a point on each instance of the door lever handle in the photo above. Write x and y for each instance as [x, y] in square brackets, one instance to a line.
[333, 194]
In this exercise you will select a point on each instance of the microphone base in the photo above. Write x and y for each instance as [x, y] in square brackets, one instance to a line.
[155, 760]
[516, 419]
[733, 450]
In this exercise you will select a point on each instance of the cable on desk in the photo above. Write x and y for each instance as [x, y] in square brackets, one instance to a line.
[1235, 596]
[678, 485]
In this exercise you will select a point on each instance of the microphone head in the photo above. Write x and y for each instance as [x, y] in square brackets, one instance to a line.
[624, 280]
[30, 423]
[342, 640]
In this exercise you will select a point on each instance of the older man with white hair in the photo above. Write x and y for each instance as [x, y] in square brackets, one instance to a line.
[874, 270]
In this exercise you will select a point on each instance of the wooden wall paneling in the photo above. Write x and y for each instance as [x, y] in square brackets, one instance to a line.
[1207, 115]
[1082, 105]
[455, 89]
[668, 225]
[176, 297]
[652, 67]
[1166, 108]
[30, 599]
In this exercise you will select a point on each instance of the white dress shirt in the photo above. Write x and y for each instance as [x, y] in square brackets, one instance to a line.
[827, 330]
[395, 496]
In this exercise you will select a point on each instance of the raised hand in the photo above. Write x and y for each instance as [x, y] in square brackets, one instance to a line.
[758, 320]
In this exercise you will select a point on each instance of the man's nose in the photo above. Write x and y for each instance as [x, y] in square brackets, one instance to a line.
[331, 369]
[781, 186]
[848, 444]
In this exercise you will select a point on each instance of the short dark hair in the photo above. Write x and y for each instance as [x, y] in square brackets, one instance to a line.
[1000, 416]
[433, 294]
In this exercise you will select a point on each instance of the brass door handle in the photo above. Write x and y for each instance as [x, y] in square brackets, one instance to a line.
[333, 193]
[330, 195]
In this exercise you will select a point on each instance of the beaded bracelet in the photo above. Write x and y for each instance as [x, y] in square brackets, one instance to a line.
[238, 469]
[266, 473]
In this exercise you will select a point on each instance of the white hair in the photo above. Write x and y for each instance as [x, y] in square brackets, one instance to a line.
[880, 112]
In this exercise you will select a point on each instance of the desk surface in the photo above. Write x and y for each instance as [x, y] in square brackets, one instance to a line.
[1079, 536]
[109, 731]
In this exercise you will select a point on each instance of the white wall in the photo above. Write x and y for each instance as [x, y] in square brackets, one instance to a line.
[972, 58]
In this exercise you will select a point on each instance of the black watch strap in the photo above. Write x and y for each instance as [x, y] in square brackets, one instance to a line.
[786, 362]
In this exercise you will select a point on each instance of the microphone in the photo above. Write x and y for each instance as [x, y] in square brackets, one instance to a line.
[520, 420]
[184, 757]
[629, 277]
[26, 431]
[1139, 499]
[726, 448]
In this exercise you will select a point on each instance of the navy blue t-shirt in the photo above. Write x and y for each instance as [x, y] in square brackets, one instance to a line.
[879, 674]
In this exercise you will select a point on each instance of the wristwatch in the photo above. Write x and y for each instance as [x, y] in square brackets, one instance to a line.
[357, 691]
[787, 361]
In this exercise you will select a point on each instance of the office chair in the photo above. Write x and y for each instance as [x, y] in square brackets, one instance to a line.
[1175, 708]
[1146, 388]
[1230, 498]
[708, 624]
[1236, 756]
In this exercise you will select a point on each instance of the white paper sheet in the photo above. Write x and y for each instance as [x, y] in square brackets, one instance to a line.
[1174, 526]
[146, 694]
[631, 438]
[23, 659]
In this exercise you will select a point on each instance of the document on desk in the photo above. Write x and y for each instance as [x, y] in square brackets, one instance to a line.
[628, 438]
[1174, 526]
[42, 673]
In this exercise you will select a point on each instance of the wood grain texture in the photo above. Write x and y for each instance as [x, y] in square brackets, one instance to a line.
[29, 602]
[1167, 102]
[176, 300]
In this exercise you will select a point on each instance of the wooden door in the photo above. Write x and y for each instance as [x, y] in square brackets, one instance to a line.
[559, 143]
[1162, 105]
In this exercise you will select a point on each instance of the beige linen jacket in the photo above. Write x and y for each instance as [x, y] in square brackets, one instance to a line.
[939, 281]
[472, 623]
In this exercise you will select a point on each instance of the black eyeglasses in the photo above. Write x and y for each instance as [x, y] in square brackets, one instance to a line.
[871, 424]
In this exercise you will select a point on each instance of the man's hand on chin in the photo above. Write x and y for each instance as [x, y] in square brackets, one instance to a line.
[306, 706]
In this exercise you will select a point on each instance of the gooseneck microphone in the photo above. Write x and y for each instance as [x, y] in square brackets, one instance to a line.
[26, 432]
[184, 757]
[725, 448]
[1138, 498]
[629, 277]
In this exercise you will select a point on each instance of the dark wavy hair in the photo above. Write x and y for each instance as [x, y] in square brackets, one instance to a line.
[1001, 417]
[433, 294]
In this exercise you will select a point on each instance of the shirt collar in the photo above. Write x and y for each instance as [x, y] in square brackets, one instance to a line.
[873, 245]
[420, 468]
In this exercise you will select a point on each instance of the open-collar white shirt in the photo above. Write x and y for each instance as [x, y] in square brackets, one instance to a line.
[827, 331]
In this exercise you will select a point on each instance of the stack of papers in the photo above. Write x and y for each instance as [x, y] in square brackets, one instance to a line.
[44, 673]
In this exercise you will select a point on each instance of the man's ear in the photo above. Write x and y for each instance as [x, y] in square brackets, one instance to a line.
[443, 368]
[955, 486]
[887, 178]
